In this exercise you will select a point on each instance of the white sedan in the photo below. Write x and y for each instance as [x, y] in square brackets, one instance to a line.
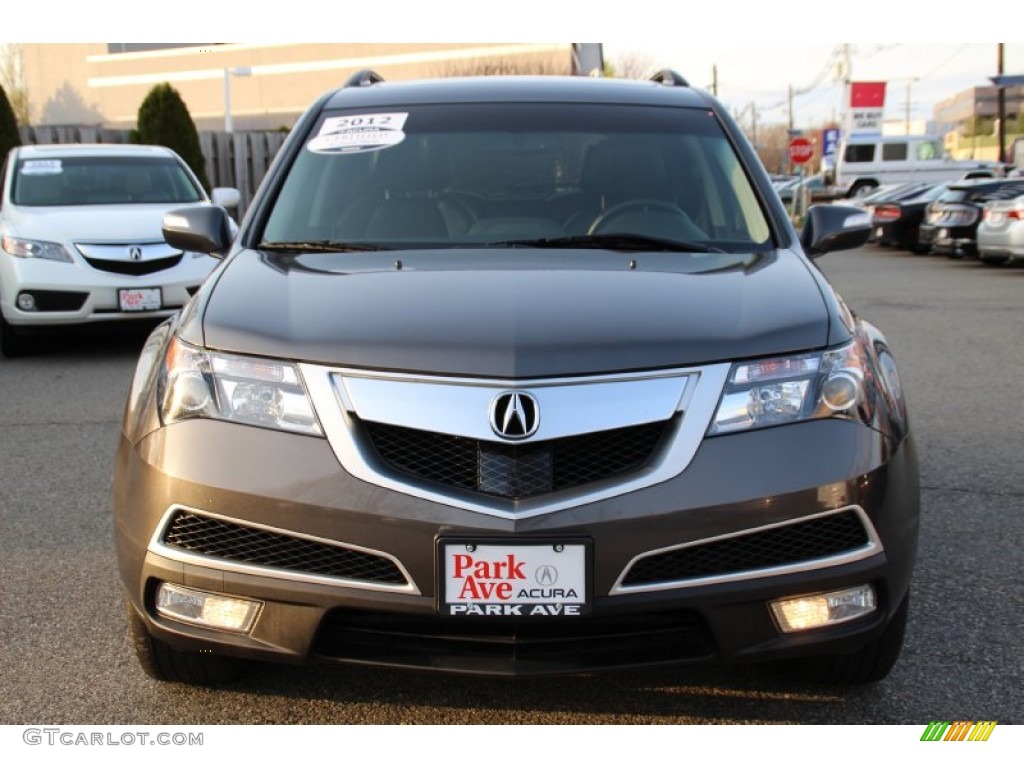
[81, 237]
[1001, 232]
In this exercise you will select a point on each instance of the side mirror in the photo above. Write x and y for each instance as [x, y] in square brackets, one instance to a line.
[226, 197]
[834, 228]
[199, 228]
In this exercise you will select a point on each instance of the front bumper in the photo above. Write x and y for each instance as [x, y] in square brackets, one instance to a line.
[736, 483]
[75, 293]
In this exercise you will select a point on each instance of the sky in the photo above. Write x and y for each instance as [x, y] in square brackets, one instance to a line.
[760, 49]
[761, 73]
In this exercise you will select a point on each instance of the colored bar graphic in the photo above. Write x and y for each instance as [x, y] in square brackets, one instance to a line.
[959, 730]
[935, 730]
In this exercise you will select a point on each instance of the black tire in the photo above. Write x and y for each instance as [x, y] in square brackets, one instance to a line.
[161, 662]
[861, 188]
[12, 343]
[868, 665]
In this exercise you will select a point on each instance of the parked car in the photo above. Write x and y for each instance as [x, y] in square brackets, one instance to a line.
[867, 162]
[516, 376]
[816, 185]
[951, 222]
[897, 222]
[1001, 231]
[81, 240]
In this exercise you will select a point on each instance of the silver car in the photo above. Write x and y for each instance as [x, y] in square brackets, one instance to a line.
[1001, 231]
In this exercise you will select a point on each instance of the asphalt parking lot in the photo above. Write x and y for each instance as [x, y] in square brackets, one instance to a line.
[955, 328]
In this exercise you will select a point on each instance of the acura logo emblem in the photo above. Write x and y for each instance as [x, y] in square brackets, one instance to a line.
[546, 575]
[135, 253]
[514, 415]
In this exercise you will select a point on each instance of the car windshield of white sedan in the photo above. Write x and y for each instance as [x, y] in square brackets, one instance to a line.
[519, 175]
[102, 181]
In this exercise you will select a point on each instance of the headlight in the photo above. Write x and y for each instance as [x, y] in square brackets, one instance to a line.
[788, 389]
[199, 384]
[36, 249]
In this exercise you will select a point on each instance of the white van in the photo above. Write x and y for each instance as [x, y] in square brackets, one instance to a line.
[866, 162]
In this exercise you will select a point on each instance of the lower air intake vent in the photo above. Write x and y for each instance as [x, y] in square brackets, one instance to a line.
[237, 543]
[772, 548]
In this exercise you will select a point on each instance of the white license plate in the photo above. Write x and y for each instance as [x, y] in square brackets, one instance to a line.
[513, 579]
[139, 299]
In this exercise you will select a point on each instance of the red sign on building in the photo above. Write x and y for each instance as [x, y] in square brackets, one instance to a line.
[867, 103]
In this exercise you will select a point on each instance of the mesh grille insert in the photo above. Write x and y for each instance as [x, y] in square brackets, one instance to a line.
[515, 471]
[775, 547]
[134, 267]
[255, 546]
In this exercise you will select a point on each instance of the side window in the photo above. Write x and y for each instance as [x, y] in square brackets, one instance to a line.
[894, 151]
[928, 150]
[859, 153]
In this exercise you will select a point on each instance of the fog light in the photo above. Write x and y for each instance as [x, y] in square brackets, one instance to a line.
[26, 302]
[796, 614]
[218, 611]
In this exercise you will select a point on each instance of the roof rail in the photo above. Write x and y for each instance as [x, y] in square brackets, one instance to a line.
[670, 77]
[362, 78]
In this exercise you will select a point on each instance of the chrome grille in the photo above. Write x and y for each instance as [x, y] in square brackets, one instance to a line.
[515, 471]
[237, 543]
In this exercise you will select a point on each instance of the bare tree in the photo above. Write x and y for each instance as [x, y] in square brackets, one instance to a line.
[633, 66]
[12, 77]
[507, 66]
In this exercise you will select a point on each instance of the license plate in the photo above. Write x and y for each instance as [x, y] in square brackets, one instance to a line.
[515, 579]
[139, 299]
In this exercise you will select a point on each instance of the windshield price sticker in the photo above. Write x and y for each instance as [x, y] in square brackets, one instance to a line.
[41, 167]
[359, 133]
[139, 299]
[514, 579]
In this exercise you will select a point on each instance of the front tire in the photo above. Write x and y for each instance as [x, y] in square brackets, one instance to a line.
[870, 664]
[162, 662]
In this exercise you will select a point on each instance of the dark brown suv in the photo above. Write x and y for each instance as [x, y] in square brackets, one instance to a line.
[516, 376]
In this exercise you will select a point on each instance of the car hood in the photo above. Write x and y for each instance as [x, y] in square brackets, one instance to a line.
[93, 223]
[512, 315]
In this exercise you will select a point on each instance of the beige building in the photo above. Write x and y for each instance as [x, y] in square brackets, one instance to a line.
[267, 86]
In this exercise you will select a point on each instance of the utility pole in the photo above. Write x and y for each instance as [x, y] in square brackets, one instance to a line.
[790, 109]
[1002, 109]
[906, 106]
[714, 80]
[847, 79]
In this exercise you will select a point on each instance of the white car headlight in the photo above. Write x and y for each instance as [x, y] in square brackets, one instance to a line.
[36, 249]
[788, 389]
[197, 383]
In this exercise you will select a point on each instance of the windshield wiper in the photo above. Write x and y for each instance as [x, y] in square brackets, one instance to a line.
[612, 242]
[320, 246]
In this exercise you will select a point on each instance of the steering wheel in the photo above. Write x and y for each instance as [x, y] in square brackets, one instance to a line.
[630, 206]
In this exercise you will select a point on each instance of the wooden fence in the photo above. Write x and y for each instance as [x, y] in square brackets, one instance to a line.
[237, 160]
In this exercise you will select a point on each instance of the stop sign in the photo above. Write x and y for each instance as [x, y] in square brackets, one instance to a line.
[800, 150]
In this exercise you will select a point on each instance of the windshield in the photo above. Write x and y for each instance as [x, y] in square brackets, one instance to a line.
[529, 175]
[102, 181]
